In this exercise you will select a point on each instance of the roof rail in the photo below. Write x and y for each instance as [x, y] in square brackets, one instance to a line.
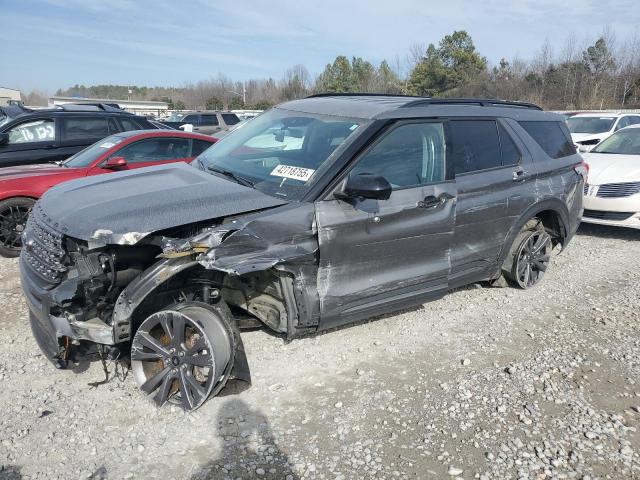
[482, 102]
[328, 94]
[91, 107]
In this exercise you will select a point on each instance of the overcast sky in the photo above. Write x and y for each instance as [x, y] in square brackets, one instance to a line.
[47, 44]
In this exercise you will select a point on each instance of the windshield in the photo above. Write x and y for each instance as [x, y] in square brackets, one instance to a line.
[86, 157]
[590, 124]
[624, 142]
[281, 152]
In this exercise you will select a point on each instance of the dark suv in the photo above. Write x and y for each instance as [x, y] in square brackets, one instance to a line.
[318, 213]
[48, 135]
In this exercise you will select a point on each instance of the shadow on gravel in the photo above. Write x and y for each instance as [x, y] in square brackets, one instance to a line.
[249, 447]
[605, 231]
[10, 472]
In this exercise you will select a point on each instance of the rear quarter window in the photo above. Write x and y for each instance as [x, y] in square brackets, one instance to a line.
[553, 137]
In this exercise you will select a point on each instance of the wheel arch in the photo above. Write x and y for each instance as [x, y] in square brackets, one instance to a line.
[555, 217]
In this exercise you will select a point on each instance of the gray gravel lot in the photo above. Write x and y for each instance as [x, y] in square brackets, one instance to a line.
[486, 383]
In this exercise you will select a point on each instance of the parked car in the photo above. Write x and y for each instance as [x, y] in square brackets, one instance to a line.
[206, 121]
[589, 129]
[49, 135]
[612, 195]
[388, 202]
[20, 187]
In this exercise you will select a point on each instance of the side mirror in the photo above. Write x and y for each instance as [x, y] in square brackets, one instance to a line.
[366, 185]
[115, 162]
[583, 149]
[4, 139]
[187, 127]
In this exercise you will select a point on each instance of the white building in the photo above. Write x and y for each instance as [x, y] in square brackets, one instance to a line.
[8, 95]
[139, 107]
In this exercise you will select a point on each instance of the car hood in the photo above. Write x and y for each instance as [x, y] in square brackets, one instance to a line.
[34, 171]
[612, 168]
[124, 207]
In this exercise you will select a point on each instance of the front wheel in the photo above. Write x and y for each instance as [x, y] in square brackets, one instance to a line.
[14, 213]
[181, 355]
[530, 255]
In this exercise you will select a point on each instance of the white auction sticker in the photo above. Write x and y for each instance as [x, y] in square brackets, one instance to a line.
[297, 173]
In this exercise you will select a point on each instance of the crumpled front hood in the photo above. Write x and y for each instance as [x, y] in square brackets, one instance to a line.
[612, 168]
[124, 207]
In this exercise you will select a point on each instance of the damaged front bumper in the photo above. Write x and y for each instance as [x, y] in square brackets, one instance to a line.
[54, 333]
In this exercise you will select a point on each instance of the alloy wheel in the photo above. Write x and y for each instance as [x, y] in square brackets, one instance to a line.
[13, 220]
[179, 356]
[533, 258]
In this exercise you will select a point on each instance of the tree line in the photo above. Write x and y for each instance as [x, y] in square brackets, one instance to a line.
[604, 74]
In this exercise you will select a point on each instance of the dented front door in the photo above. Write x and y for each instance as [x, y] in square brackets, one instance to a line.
[378, 255]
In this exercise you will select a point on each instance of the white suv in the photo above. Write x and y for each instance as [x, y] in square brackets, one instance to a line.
[589, 129]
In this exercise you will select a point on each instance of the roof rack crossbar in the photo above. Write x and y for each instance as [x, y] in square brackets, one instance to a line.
[482, 102]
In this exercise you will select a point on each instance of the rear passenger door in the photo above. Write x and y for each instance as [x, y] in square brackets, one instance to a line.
[78, 132]
[492, 175]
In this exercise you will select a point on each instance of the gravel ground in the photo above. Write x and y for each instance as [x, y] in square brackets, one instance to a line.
[485, 383]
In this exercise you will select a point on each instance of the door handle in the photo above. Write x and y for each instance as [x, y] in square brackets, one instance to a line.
[431, 201]
[519, 175]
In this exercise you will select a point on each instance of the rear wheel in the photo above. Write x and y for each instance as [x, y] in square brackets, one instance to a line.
[530, 255]
[14, 213]
[182, 354]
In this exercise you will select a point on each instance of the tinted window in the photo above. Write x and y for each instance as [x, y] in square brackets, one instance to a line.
[635, 120]
[475, 145]
[128, 124]
[208, 120]
[155, 150]
[33, 131]
[230, 118]
[113, 126]
[410, 155]
[80, 128]
[510, 153]
[191, 119]
[199, 146]
[553, 137]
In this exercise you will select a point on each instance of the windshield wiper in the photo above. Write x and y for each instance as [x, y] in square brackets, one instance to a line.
[228, 173]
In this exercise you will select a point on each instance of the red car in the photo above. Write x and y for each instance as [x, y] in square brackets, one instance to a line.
[20, 187]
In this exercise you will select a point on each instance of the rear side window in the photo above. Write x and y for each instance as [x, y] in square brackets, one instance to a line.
[476, 145]
[553, 137]
[80, 128]
[230, 118]
[128, 125]
[208, 120]
[199, 146]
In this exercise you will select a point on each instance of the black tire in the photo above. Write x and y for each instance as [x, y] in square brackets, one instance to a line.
[13, 219]
[529, 256]
[184, 354]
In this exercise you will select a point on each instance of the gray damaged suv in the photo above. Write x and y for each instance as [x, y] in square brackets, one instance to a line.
[318, 213]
